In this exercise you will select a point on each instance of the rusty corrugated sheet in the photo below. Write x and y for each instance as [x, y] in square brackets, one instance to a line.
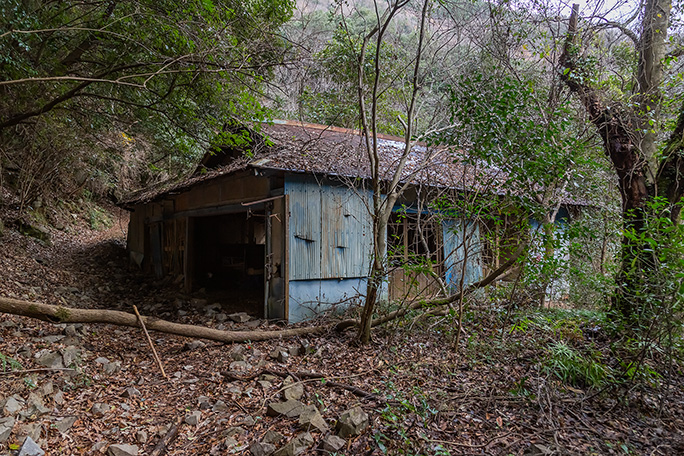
[332, 151]
[329, 230]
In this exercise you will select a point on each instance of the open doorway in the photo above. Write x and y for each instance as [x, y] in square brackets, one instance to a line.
[228, 260]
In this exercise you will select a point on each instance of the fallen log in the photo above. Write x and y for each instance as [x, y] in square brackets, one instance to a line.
[495, 275]
[61, 314]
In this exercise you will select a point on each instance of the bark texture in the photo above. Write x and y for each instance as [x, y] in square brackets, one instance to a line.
[59, 314]
[629, 139]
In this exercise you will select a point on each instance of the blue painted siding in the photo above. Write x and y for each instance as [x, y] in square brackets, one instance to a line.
[309, 298]
[329, 230]
[559, 287]
[305, 230]
[455, 249]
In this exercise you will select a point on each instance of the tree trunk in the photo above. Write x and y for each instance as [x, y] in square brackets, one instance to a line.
[378, 270]
[59, 314]
[631, 149]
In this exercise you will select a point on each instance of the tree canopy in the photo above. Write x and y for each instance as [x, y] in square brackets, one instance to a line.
[162, 76]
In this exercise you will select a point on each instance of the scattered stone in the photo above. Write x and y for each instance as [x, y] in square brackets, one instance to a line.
[240, 317]
[30, 430]
[65, 424]
[233, 431]
[194, 345]
[52, 339]
[352, 422]
[71, 356]
[219, 407]
[130, 392]
[290, 409]
[193, 418]
[333, 443]
[198, 303]
[237, 353]
[59, 398]
[98, 447]
[71, 331]
[268, 378]
[13, 405]
[46, 389]
[239, 366]
[230, 443]
[221, 317]
[141, 437]
[235, 390]
[101, 360]
[112, 368]
[30, 448]
[296, 446]
[253, 324]
[293, 390]
[99, 409]
[294, 350]
[52, 360]
[36, 407]
[262, 449]
[6, 425]
[265, 385]
[272, 436]
[122, 450]
[311, 417]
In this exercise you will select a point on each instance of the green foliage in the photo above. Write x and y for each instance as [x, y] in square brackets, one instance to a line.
[395, 438]
[649, 303]
[99, 219]
[653, 264]
[502, 125]
[7, 363]
[104, 89]
[574, 368]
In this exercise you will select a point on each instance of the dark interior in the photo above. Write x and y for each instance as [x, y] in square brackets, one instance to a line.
[228, 258]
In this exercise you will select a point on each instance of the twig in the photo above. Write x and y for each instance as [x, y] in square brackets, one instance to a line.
[163, 444]
[149, 340]
[44, 369]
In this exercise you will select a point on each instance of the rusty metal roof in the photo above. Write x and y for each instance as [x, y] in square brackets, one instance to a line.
[332, 151]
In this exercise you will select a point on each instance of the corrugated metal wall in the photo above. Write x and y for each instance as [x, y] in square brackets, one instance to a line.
[329, 230]
[455, 250]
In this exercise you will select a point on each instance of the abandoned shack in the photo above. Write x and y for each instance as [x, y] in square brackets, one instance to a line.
[286, 229]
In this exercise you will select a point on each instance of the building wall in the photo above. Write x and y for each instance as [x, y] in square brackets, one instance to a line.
[462, 248]
[329, 244]
[559, 286]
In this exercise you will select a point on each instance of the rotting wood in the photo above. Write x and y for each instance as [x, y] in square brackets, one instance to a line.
[61, 314]
[170, 436]
[149, 341]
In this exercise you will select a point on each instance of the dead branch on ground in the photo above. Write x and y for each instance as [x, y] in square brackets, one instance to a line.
[60, 314]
